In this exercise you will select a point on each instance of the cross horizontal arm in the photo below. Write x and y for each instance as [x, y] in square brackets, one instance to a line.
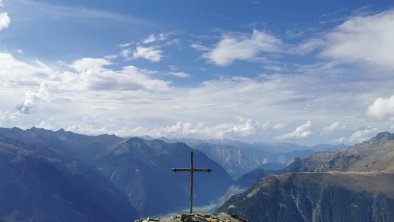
[202, 170]
[188, 170]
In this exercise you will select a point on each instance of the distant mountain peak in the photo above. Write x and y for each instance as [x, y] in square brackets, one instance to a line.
[384, 135]
[134, 140]
[61, 130]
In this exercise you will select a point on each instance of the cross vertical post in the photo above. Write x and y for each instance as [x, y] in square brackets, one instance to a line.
[191, 170]
[191, 182]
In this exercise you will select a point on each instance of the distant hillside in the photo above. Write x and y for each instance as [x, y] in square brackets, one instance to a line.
[362, 192]
[272, 166]
[247, 180]
[270, 148]
[39, 184]
[376, 154]
[339, 197]
[140, 169]
[82, 147]
[238, 161]
[239, 158]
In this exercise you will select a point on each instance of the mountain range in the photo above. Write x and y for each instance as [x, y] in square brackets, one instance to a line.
[63, 176]
[38, 183]
[351, 184]
[239, 158]
[141, 169]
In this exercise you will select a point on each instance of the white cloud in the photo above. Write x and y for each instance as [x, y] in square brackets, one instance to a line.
[5, 20]
[152, 53]
[14, 72]
[153, 38]
[148, 104]
[93, 75]
[8, 119]
[199, 47]
[231, 130]
[333, 127]
[308, 46]
[244, 127]
[300, 132]
[363, 39]
[124, 45]
[85, 129]
[180, 129]
[86, 64]
[381, 109]
[34, 98]
[180, 74]
[358, 136]
[131, 94]
[270, 125]
[278, 126]
[232, 48]
[111, 57]
[126, 52]
[362, 135]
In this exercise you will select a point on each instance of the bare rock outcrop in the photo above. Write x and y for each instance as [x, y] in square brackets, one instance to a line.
[222, 217]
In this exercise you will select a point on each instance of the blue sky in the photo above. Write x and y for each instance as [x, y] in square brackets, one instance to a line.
[257, 71]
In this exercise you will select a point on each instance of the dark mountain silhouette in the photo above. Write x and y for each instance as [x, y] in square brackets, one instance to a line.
[40, 184]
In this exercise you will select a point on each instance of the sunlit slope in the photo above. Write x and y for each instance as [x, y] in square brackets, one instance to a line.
[353, 184]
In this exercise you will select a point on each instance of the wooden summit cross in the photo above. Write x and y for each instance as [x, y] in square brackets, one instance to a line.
[191, 170]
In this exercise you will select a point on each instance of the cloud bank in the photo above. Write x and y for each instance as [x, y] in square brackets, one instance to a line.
[300, 132]
[92, 74]
[113, 96]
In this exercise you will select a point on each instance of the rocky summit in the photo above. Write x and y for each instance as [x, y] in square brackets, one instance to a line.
[222, 217]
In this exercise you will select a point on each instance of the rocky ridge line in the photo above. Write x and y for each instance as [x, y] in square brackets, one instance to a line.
[221, 217]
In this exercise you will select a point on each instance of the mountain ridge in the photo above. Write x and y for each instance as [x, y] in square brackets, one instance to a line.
[40, 184]
[350, 184]
[156, 153]
[140, 169]
[376, 154]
